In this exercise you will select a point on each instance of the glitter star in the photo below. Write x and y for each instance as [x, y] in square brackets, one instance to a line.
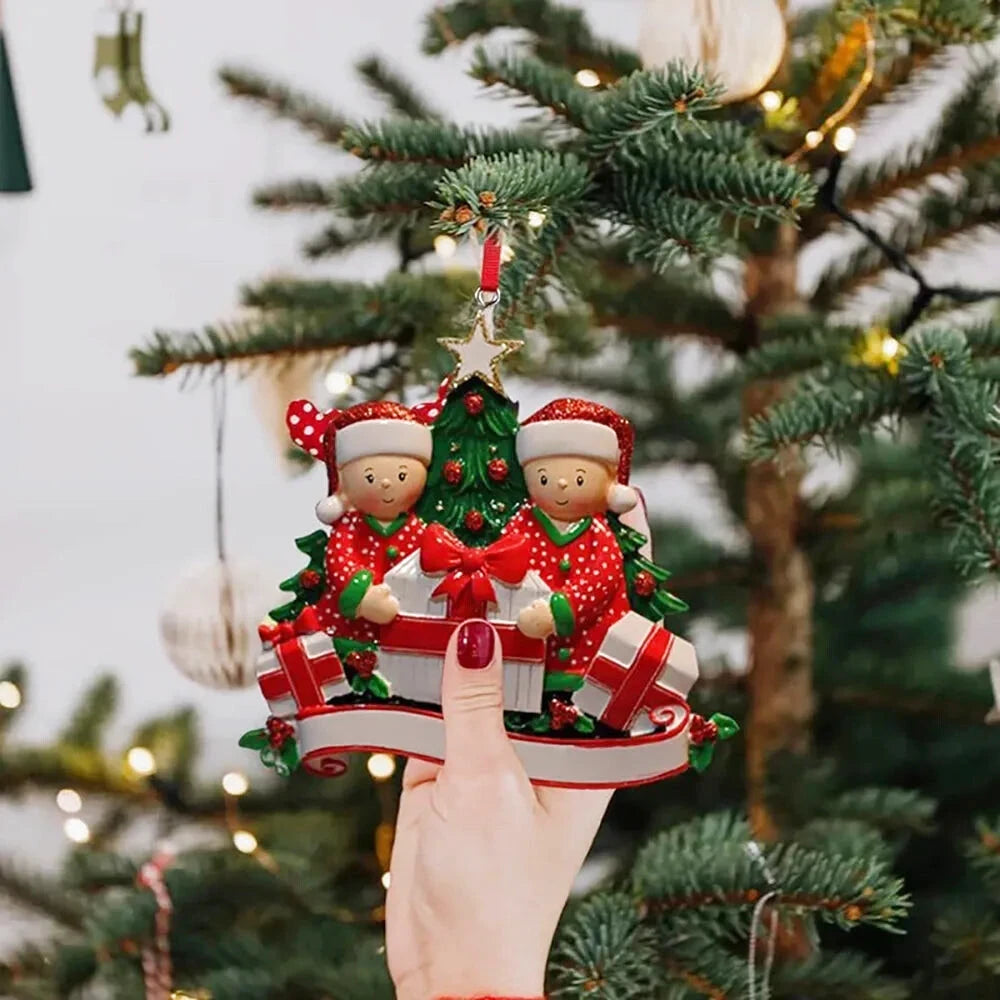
[479, 354]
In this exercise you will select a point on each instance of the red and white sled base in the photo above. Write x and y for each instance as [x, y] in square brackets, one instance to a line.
[325, 734]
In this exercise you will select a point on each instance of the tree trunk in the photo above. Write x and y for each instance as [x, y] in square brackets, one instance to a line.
[779, 684]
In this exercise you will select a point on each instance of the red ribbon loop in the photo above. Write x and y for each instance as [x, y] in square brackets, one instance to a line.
[306, 623]
[489, 275]
[469, 570]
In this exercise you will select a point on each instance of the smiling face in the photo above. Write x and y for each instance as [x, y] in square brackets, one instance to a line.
[568, 488]
[384, 486]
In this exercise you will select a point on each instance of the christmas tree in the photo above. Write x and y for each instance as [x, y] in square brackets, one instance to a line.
[866, 774]
[307, 585]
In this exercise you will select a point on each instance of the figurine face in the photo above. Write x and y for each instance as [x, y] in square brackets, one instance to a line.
[568, 488]
[384, 486]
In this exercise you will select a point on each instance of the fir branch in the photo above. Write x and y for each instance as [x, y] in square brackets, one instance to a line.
[335, 238]
[398, 93]
[399, 190]
[295, 194]
[42, 894]
[284, 102]
[836, 975]
[793, 343]
[91, 717]
[892, 810]
[545, 85]
[433, 143]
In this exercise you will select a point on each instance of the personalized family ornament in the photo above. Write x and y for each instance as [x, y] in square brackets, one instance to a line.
[452, 510]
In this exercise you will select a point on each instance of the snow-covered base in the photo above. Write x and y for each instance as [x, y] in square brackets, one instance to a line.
[325, 734]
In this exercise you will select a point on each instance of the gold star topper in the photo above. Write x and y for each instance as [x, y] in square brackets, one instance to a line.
[479, 354]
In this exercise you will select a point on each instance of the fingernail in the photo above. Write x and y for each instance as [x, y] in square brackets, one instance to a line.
[475, 644]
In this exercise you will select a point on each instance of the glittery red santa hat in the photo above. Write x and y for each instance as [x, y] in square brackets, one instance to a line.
[580, 427]
[366, 429]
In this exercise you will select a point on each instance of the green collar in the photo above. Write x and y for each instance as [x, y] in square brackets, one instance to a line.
[385, 530]
[557, 536]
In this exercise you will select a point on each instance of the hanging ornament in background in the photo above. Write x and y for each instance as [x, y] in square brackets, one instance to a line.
[274, 390]
[741, 42]
[118, 73]
[209, 624]
[14, 175]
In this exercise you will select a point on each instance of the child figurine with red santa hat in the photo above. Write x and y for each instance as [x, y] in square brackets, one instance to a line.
[376, 456]
[576, 457]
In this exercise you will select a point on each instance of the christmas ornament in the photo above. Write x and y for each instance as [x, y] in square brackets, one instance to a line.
[740, 42]
[157, 965]
[15, 177]
[209, 623]
[118, 72]
[456, 510]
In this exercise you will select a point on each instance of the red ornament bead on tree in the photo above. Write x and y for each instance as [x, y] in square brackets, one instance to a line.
[497, 469]
[644, 583]
[474, 520]
[309, 578]
[474, 404]
[452, 470]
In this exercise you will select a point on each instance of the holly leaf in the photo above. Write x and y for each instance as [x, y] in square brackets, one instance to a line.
[288, 759]
[700, 757]
[541, 723]
[727, 727]
[255, 739]
[585, 724]
[269, 757]
[379, 686]
[358, 685]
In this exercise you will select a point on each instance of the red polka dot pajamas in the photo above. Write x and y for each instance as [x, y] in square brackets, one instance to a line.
[583, 566]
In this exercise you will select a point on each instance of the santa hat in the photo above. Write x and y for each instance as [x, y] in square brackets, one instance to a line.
[579, 427]
[340, 436]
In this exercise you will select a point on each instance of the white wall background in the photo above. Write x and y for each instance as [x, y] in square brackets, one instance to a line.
[105, 498]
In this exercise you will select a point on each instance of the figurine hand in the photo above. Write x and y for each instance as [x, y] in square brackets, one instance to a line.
[378, 605]
[482, 862]
[536, 620]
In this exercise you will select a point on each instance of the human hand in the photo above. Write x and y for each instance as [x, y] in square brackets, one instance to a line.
[483, 862]
[536, 620]
[378, 605]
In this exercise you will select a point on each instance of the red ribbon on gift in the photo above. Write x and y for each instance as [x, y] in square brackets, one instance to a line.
[306, 623]
[467, 584]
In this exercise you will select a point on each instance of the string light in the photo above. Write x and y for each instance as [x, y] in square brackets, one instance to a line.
[10, 695]
[386, 879]
[536, 219]
[844, 139]
[771, 100]
[506, 253]
[813, 138]
[142, 761]
[244, 841]
[878, 348]
[68, 800]
[337, 382]
[381, 766]
[890, 348]
[76, 830]
[445, 246]
[587, 78]
[235, 783]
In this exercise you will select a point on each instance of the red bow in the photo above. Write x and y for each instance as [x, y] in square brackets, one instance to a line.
[467, 584]
[305, 624]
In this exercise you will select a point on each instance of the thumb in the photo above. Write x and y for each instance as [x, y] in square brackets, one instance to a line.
[472, 700]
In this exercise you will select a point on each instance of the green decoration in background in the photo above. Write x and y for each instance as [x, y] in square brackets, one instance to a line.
[647, 592]
[15, 178]
[476, 428]
[307, 585]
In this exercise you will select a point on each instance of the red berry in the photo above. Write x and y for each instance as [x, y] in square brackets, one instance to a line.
[309, 578]
[702, 731]
[474, 520]
[497, 470]
[644, 583]
[363, 661]
[278, 732]
[474, 404]
[452, 471]
[563, 714]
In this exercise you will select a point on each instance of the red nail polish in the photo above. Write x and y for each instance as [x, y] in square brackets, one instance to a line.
[476, 640]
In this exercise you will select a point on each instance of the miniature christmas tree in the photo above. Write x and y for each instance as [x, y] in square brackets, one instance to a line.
[474, 483]
[647, 591]
[307, 585]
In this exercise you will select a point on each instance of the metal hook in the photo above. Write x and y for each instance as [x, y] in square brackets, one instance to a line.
[486, 299]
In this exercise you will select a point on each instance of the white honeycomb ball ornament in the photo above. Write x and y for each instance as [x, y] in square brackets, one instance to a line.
[740, 42]
[209, 623]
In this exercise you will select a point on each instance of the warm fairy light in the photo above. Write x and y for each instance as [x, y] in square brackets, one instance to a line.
[536, 219]
[506, 253]
[813, 138]
[381, 766]
[386, 879]
[68, 800]
[76, 830]
[587, 78]
[890, 348]
[771, 100]
[244, 841]
[10, 695]
[445, 246]
[843, 139]
[338, 382]
[141, 760]
[234, 783]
